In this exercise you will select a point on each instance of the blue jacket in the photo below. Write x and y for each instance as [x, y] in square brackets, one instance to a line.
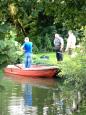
[27, 46]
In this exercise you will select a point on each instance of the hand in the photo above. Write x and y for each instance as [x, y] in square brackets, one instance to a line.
[61, 49]
[66, 50]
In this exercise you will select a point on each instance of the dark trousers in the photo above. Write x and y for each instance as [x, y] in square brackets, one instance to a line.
[59, 55]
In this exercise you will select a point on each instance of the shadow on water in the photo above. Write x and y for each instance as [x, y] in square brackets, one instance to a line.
[33, 96]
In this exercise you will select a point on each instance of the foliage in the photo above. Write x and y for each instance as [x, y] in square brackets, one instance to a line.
[39, 18]
[8, 47]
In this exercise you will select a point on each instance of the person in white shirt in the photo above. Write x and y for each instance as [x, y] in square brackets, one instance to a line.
[71, 43]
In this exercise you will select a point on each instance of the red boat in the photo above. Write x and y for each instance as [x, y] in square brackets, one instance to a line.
[33, 71]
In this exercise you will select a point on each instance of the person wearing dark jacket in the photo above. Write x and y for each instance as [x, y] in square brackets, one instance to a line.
[58, 44]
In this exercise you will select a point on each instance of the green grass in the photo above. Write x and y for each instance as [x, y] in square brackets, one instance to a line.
[52, 58]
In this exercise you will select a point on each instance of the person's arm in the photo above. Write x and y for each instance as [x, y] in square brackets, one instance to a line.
[22, 47]
[74, 41]
[62, 43]
[54, 42]
[68, 44]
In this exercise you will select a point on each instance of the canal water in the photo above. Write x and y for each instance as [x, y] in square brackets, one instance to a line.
[34, 96]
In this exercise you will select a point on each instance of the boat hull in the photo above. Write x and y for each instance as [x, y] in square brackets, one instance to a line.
[34, 71]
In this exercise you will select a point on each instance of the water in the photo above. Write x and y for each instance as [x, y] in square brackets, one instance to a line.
[25, 96]
[33, 96]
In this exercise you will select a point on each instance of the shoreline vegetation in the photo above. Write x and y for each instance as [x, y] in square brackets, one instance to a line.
[73, 72]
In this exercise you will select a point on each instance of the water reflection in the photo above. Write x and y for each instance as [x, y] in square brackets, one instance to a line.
[33, 96]
[15, 106]
[29, 108]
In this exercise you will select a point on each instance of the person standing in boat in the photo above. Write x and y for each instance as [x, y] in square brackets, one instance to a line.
[27, 47]
[58, 44]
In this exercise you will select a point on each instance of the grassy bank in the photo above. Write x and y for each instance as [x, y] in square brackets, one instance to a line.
[49, 58]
